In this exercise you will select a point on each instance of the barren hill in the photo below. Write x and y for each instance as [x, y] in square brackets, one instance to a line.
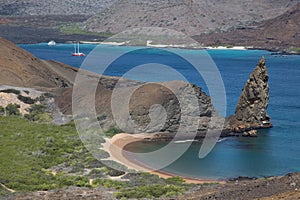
[281, 32]
[20, 68]
[192, 17]
[53, 7]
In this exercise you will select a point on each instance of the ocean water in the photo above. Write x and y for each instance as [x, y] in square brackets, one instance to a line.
[275, 152]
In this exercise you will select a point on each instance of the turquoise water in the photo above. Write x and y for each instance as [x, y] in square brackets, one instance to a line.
[275, 152]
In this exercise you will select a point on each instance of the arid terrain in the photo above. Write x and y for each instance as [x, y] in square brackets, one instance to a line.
[279, 33]
[266, 24]
[273, 188]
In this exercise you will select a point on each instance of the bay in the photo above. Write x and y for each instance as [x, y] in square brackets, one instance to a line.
[275, 152]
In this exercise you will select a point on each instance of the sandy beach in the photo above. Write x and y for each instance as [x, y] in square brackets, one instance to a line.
[114, 146]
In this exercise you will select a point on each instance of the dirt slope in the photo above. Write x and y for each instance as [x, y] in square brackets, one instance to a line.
[281, 32]
[20, 68]
[189, 16]
[53, 7]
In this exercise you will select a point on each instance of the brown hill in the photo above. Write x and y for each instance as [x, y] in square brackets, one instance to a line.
[188, 16]
[279, 33]
[20, 68]
[53, 7]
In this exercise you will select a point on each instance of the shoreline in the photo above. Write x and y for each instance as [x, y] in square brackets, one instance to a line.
[125, 44]
[115, 145]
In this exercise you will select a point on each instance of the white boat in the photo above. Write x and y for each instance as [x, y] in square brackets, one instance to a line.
[77, 51]
[52, 43]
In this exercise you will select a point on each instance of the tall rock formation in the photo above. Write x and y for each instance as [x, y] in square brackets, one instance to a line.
[253, 103]
[251, 110]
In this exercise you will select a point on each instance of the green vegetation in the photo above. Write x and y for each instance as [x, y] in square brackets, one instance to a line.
[107, 183]
[3, 192]
[229, 46]
[75, 29]
[12, 109]
[150, 191]
[29, 149]
[295, 49]
[112, 132]
[37, 112]
[2, 111]
[36, 156]
[176, 180]
[11, 91]
[27, 100]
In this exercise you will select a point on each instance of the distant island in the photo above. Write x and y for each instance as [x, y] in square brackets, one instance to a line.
[265, 25]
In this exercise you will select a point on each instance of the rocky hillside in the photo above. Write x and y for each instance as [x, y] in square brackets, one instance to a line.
[188, 16]
[20, 68]
[53, 7]
[279, 33]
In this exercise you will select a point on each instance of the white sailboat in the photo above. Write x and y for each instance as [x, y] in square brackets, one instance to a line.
[52, 43]
[77, 50]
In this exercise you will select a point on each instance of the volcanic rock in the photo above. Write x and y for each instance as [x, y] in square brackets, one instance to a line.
[253, 103]
[251, 110]
[252, 133]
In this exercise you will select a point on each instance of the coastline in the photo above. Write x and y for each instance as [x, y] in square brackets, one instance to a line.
[240, 48]
[115, 145]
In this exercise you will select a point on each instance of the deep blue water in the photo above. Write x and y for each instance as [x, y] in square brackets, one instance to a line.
[275, 152]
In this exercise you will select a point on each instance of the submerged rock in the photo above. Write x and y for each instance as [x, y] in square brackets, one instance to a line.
[252, 133]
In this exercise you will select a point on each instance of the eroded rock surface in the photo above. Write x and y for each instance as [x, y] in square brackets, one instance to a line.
[253, 103]
[251, 110]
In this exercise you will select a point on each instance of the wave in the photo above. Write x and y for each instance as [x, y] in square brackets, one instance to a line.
[221, 140]
[184, 141]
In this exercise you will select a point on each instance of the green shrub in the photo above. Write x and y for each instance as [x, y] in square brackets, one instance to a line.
[108, 183]
[176, 180]
[112, 131]
[2, 111]
[37, 112]
[9, 91]
[114, 172]
[34, 148]
[150, 191]
[295, 49]
[79, 181]
[12, 109]
[27, 100]
[143, 178]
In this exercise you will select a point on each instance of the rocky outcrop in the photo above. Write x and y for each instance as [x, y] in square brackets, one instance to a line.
[253, 103]
[251, 110]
